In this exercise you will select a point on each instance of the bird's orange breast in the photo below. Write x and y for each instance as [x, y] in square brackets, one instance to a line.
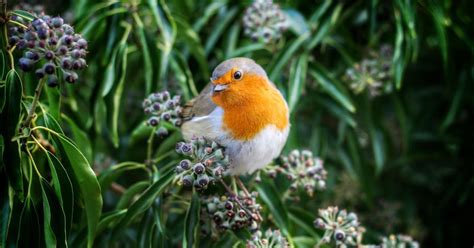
[250, 106]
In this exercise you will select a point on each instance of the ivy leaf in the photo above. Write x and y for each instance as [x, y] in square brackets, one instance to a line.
[191, 222]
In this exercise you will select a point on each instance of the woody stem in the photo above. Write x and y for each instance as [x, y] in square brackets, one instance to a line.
[34, 103]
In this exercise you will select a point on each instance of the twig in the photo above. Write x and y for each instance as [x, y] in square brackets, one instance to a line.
[31, 112]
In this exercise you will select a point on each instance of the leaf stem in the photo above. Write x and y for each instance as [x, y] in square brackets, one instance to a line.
[31, 112]
[149, 150]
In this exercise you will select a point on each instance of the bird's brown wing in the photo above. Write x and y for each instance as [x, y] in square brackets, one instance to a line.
[201, 105]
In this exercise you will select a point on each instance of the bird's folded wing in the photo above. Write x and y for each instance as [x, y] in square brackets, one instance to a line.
[201, 105]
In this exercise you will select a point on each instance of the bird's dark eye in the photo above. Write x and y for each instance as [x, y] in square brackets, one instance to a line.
[237, 75]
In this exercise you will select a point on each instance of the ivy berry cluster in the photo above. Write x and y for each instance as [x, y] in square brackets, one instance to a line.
[50, 46]
[231, 212]
[206, 164]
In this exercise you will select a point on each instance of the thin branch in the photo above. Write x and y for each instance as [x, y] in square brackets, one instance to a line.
[32, 110]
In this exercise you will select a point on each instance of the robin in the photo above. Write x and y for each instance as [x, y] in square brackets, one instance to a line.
[243, 111]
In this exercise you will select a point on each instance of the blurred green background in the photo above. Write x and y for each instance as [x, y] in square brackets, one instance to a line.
[382, 91]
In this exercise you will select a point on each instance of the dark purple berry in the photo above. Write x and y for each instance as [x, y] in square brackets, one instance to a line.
[39, 73]
[339, 235]
[52, 41]
[62, 50]
[49, 68]
[42, 43]
[82, 43]
[13, 40]
[66, 63]
[30, 35]
[49, 55]
[187, 149]
[153, 121]
[70, 77]
[57, 22]
[76, 65]
[162, 132]
[198, 168]
[203, 180]
[68, 29]
[188, 181]
[228, 205]
[43, 33]
[156, 106]
[52, 81]
[32, 55]
[26, 64]
[166, 116]
[166, 95]
[185, 164]
[179, 146]
[67, 39]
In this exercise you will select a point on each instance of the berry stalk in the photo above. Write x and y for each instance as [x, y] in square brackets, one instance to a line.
[32, 110]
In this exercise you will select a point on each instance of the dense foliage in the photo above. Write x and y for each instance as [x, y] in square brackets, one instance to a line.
[381, 113]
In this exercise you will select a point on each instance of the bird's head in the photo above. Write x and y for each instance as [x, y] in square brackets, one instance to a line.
[238, 80]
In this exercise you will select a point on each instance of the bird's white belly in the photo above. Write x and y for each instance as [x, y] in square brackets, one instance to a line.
[245, 156]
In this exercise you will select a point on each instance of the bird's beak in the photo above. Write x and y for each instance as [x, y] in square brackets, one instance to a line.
[219, 87]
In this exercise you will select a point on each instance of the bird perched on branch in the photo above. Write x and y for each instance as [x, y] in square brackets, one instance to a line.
[241, 110]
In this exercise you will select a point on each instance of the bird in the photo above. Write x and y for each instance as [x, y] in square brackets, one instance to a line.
[241, 110]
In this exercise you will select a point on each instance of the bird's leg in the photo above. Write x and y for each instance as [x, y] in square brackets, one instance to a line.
[229, 190]
[242, 186]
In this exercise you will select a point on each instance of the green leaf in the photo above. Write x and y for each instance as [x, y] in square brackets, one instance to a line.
[296, 21]
[191, 222]
[241, 51]
[286, 54]
[145, 230]
[111, 174]
[24, 14]
[336, 110]
[378, 147]
[456, 102]
[63, 187]
[148, 68]
[303, 220]
[122, 54]
[130, 193]
[5, 211]
[143, 203]
[272, 200]
[187, 34]
[29, 226]
[297, 80]
[54, 217]
[54, 101]
[3, 69]
[329, 85]
[397, 60]
[80, 139]
[9, 123]
[109, 75]
[322, 31]
[315, 17]
[88, 184]
[2, 148]
[218, 29]
[109, 219]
